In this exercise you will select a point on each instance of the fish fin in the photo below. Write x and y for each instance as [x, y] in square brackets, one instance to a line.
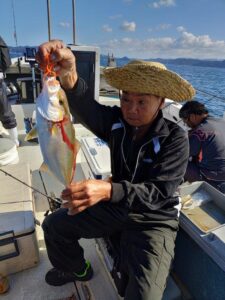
[31, 134]
[44, 167]
[54, 130]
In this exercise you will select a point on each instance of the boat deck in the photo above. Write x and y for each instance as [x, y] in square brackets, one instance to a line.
[30, 283]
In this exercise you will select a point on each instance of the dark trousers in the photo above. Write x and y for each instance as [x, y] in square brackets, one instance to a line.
[7, 117]
[193, 173]
[146, 254]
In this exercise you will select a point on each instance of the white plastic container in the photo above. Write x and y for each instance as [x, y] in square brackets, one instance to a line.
[18, 242]
[206, 209]
[95, 158]
[8, 152]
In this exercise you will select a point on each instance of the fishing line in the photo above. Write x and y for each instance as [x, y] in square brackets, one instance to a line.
[206, 93]
[31, 187]
[213, 96]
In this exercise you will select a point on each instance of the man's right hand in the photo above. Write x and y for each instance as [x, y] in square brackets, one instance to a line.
[63, 58]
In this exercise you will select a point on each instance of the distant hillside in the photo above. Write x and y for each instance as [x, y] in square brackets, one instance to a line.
[178, 61]
[194, 62]
[19, 51]
[119, 61]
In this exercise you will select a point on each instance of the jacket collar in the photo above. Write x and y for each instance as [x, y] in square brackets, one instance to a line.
[158, 128]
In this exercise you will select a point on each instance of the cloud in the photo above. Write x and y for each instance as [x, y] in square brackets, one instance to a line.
[127, 40]
[186, 45]
[163, 26]
[189, 40]
[159, 27]
[137, 48]
[180, 28]
[128, 26]
[162, 3]
[114, 17]
[64, 24]
[106, 28]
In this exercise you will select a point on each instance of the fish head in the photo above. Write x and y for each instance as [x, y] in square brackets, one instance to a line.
[52, 102]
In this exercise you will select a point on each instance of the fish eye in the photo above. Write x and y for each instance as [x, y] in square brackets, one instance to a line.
[60, 102]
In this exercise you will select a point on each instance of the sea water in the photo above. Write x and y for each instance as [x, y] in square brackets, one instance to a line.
[209, 80]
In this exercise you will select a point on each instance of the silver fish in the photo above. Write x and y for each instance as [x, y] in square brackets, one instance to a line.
[55, 132]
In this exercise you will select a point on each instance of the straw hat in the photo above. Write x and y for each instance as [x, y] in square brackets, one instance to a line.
[149, 78]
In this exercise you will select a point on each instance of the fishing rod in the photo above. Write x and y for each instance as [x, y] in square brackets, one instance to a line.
[57, 200]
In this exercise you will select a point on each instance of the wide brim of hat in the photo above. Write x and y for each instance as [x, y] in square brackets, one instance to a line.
[150, 80]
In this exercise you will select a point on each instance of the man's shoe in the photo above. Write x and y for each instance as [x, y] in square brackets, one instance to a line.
[57, 277]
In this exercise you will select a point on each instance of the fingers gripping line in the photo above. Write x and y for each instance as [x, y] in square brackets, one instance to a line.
[48, 67]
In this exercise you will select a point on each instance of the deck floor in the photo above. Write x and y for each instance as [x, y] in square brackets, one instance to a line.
[30, 283]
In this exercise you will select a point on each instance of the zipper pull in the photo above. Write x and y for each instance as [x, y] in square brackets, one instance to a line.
[135, 134]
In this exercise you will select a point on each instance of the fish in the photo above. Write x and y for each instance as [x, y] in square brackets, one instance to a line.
[55, 131]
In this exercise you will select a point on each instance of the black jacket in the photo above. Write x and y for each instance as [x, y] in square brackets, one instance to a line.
[149, 189]
[5, 60]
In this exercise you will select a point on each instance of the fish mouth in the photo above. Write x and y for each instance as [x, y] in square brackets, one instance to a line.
[53, 89]
[48, 102]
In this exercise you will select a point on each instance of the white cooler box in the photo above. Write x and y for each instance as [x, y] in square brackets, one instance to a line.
[18, 242]
[95, 159]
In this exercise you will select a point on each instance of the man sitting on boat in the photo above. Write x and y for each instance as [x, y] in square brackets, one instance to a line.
[149, 156]
[207, 145]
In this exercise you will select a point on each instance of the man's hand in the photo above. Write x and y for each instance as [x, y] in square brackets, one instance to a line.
[63, 58]
[83, 194]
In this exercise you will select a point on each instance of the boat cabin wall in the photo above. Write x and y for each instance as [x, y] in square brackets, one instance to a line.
[88, 66]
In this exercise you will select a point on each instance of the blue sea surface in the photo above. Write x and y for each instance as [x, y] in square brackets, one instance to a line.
[208, 80]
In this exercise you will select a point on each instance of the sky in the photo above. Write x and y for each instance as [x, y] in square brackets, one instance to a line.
[132, 28]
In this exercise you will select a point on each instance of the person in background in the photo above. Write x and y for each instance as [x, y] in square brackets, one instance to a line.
[207, 145]
[7, 117]
[149, 156]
